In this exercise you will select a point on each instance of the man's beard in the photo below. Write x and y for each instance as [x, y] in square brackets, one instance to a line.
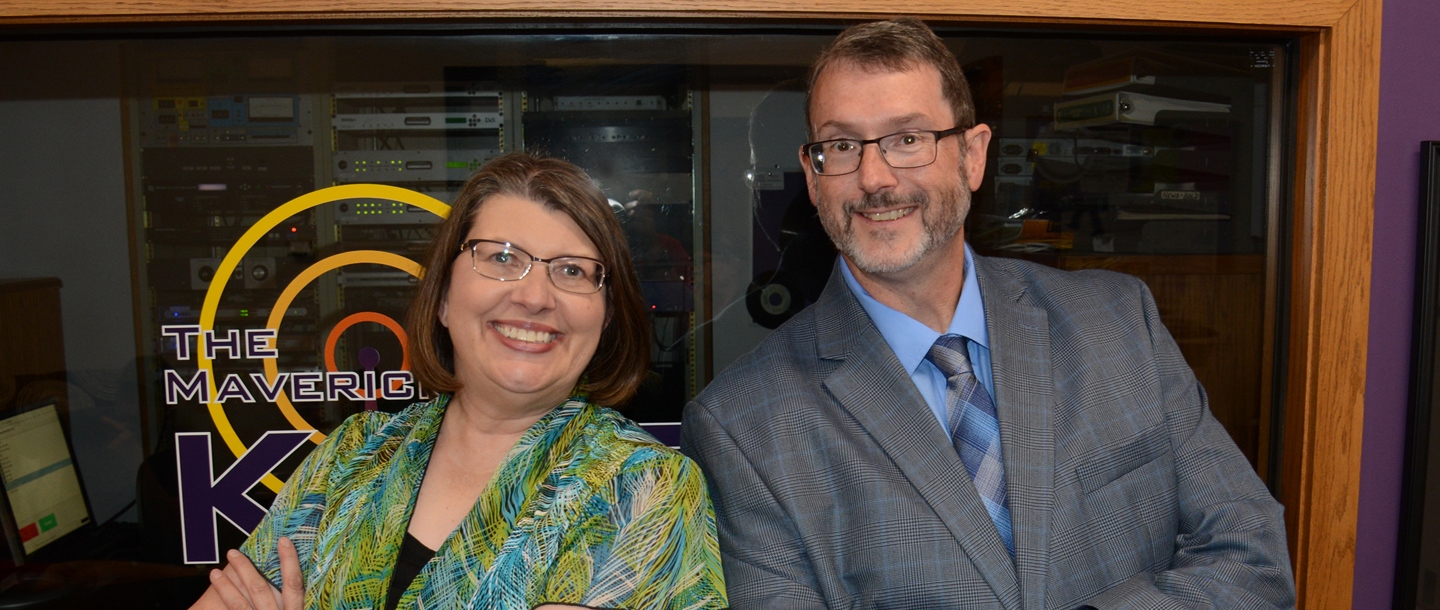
[942, 218]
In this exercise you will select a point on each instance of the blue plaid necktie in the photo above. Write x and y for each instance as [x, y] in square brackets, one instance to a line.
[975, 430]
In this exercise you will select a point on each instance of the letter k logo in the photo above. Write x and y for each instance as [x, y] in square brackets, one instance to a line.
[202, 496]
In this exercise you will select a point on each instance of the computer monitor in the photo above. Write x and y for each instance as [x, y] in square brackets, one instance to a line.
[43, 499]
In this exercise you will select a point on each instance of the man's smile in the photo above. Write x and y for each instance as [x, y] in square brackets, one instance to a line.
[895, 214]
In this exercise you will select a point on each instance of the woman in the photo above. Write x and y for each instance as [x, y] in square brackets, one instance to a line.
[513, 488]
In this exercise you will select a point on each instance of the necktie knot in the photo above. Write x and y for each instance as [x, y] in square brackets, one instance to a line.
[950, 356]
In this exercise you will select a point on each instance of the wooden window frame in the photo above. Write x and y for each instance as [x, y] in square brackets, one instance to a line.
[1331, 209]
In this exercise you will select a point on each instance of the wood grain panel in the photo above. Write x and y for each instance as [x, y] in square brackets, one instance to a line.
[1293, 13]
[1213, 320]
[1330, 303]
[1299, 433]
[32, 345]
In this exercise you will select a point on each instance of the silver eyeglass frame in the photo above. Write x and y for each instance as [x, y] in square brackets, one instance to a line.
[470, 246]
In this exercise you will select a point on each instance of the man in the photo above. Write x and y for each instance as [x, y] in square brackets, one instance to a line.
[942, 430]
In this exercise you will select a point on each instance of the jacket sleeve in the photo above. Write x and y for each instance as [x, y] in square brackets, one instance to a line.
[1230, 547]
[765, 563]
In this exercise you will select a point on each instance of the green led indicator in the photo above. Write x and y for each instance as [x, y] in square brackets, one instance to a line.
[456, 165]
[244, 313]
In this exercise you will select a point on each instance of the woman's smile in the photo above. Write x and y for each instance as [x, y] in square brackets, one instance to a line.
[527, 337]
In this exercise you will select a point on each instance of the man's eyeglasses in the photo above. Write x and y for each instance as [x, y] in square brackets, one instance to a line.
[901, 150]
[501, 261]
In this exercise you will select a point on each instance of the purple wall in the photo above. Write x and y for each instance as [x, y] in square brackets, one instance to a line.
[1409, 113]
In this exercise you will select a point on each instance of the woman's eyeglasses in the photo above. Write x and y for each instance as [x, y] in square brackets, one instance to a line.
[499, 260]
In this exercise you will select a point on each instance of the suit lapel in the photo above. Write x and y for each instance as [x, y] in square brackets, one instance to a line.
[1020, 366]
[872, 387]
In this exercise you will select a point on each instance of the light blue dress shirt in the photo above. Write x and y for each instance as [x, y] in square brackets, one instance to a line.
[911, 340]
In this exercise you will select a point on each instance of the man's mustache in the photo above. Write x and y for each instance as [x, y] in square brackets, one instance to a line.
[876, 201]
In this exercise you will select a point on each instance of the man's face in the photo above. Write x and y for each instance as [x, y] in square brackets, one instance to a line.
[885, 220]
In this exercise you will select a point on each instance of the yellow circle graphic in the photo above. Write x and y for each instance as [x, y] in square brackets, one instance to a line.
[252, 237]
[277, 313]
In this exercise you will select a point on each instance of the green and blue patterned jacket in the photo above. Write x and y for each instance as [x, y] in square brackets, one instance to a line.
[586, 509]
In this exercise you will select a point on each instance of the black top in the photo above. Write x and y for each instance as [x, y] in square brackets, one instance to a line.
[413, 557]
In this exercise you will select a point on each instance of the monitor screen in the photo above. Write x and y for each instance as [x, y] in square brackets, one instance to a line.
[40, 478]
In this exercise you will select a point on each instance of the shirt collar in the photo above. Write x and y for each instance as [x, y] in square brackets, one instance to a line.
[911, 340]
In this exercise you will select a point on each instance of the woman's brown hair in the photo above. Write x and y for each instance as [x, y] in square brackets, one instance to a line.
[623, 356]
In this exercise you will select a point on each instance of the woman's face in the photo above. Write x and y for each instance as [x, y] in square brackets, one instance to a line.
[524, 341]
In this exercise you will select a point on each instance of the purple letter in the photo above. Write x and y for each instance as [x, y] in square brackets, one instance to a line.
[255, 339]
[270, 392]
[231, 344]
[305, 387]
[232, 387]
[202, 496]
[343, 383]
[395, 385]
[182, 334]
[198, 389]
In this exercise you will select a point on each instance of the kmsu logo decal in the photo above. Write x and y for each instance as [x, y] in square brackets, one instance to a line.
[203, 496]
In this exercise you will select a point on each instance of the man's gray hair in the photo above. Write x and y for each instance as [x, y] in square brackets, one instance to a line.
[895, 45]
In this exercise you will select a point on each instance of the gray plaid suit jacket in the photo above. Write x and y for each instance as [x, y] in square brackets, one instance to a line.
[835, 486]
